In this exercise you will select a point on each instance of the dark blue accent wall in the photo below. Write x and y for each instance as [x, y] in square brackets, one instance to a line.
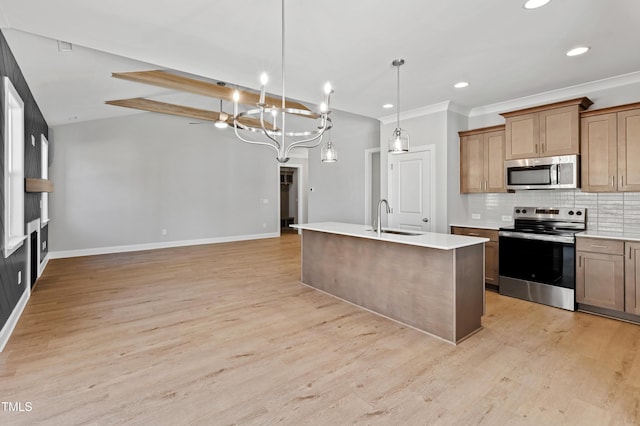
[35, 125]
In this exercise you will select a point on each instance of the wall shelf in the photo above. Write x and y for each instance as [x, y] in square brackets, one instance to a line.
[38, 185]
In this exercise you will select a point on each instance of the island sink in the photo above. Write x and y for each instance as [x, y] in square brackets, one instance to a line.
[396, 232]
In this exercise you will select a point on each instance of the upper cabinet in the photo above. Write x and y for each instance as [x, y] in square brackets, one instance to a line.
[610, 142]
[544, 131]
[482, 160]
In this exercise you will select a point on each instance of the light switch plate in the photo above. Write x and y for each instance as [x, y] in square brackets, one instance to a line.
[507, 218]
[475, 215]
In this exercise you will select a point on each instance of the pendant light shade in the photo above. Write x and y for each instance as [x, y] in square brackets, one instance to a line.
[399, 141]
[328, 153]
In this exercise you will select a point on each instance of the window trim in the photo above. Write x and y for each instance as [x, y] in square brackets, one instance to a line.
[14, 233]
[44, 173]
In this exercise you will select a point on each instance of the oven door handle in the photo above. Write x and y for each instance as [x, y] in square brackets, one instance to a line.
[538, 237]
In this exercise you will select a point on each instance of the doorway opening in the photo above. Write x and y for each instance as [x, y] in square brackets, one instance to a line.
[289, 198]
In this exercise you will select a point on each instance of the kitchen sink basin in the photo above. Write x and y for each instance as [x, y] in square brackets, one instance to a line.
[396, 232]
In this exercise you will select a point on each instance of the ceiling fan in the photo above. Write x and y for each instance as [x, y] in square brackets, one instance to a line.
[181, 83]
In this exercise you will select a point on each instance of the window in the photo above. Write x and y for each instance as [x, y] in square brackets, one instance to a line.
[44, 156]
[14, 169]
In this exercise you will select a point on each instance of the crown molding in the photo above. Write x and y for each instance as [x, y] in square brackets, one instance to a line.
[557, 95]
[417, 112]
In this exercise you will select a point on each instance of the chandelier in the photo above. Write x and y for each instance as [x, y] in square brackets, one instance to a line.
[399, 141]
[270, 120]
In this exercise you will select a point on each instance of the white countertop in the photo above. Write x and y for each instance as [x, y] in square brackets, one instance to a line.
[425, 239]
[482, 225]
[627, 236]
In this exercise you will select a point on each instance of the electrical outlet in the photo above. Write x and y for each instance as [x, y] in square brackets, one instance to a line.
[264, 226]
[507, 218]
[164, 232]
[44, 245]
[475, 215]
[19, 277]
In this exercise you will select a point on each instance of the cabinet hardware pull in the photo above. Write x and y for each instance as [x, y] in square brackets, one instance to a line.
[622, 180]
[536, 148]
[580, 262]
[613, 181]
[542, 150]
[598, 246]
[474, 234]
[629, 253]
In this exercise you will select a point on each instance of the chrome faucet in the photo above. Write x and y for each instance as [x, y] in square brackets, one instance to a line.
[378, 219]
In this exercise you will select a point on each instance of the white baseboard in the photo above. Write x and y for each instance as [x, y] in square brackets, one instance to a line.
[11, 323]
[153, 246]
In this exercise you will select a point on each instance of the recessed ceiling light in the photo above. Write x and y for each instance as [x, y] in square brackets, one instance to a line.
[461, 84]
[534, 4]
[387, 106]
[577, 51]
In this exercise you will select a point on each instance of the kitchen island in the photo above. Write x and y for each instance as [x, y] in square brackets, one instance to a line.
[432, 282]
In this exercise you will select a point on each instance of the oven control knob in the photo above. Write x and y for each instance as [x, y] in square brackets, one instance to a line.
[571, 212]
[517, 210]
[579, 213]
[524, 210]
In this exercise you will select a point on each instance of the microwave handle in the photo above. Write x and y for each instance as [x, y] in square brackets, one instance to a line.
[554, 170]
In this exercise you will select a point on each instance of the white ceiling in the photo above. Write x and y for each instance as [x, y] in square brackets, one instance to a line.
[503, 50]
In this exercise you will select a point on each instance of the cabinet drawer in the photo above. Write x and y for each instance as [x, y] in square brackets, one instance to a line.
[599, 245]
[475, 232]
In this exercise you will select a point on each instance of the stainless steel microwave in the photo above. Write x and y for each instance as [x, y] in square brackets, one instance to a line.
[561, 172]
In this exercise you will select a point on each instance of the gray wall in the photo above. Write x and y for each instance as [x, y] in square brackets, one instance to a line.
[339, 188]
[120, 181]
[456, 202]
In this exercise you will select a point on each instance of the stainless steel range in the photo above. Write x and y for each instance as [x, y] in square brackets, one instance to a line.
[538, 255]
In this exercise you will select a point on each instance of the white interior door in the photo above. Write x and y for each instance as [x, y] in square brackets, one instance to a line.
[410, 191]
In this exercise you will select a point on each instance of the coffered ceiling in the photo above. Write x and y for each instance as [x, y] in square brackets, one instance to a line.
[501, 49]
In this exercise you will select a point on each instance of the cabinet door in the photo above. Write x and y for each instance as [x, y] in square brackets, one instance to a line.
[600, 280]
[632, 279]
[599, 157]
[491, 266]
[472, 163]
[560, 131]
[629, 150]
[522, 136]
[494, 162]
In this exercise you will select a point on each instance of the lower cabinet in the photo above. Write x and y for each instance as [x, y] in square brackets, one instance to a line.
[632, 279]
[491, 265]
[608, 276]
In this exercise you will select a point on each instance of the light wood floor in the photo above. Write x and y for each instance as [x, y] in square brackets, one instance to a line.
[226, 334]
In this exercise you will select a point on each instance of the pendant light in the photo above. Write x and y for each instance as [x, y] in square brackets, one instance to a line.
[399, 141]
[328, 154]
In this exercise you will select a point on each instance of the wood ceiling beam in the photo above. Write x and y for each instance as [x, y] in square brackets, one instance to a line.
[182, 111]
[185, 84]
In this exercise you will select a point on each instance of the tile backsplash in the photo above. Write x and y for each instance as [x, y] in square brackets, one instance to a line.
[609, 212]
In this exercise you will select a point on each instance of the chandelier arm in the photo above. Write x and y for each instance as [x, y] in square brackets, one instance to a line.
[267, 132]
[235, 128]
[300, 144]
